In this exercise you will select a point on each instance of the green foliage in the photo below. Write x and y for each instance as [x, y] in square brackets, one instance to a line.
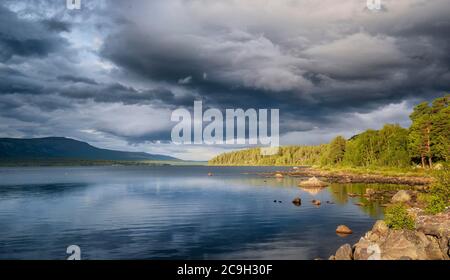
[419, 133]
[429, 134]
[440, 130]
[362, 150]
[435, 204]
[438, 197]
[386, 147]
[397, 217]
[335, 151]
[289, 155]
[393, 147]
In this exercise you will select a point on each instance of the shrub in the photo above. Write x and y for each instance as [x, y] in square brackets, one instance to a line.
[397, 217]
[435, 204]
[442, 185]
[438, 198]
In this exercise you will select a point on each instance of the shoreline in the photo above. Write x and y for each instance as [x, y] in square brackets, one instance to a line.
[347, 176]
[351, 177]
[429, 240]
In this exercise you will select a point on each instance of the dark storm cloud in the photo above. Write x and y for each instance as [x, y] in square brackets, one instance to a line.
[83, 88]
[75, 79]
[25, 38]
[13, 81]
[354, 70]
[57, 25]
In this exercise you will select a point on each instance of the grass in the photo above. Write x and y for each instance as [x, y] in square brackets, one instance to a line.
[382, 171]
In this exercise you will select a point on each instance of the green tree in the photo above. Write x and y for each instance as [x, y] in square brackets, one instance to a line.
[362, 149]
[440, 130]
[393, 146]
[335, 151]
[419, 140]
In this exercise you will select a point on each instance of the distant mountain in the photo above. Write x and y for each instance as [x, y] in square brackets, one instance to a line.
[65, 148]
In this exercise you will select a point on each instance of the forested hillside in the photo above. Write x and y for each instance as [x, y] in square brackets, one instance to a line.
[426, 142]
[290, 155]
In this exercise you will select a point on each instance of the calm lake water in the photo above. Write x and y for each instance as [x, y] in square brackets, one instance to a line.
[172, 212]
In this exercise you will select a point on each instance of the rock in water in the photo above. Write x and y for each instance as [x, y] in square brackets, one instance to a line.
[401, 196]
[313, 182]
[297, 201]
[344, 253]
[210, 174]
[343, 229]
[316, 202]
[279, 175]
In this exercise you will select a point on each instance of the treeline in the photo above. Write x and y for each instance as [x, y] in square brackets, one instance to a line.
[427, 141]
[289, 155]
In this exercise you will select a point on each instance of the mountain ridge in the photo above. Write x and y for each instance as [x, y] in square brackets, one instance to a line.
[66, 148]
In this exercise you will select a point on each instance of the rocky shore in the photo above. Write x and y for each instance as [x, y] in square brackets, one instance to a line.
[421, 236]
[428, 241]
[348, 177]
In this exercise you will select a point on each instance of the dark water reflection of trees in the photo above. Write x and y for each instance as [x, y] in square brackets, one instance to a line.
[354, 193]
[340, 194]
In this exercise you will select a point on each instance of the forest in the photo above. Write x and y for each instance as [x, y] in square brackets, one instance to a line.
[425, 143]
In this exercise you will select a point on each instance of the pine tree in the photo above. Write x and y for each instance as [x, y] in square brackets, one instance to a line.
[419, 140]
[440, 131]
[335, 151]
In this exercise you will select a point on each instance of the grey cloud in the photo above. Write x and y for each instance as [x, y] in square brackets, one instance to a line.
[347, 69]
[119, 93]
[57, 25]
[25, 38]
[75, 79]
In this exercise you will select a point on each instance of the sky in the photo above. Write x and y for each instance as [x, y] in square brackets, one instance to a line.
[112, 72]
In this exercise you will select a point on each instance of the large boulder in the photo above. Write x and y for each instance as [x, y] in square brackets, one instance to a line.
[380, 228]
[429, 240]
[437, 226]
[363, 250]
[344, 252]
[412, 244]
[401, 197]
[398, 244]
[343, 229]
[313, 182]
